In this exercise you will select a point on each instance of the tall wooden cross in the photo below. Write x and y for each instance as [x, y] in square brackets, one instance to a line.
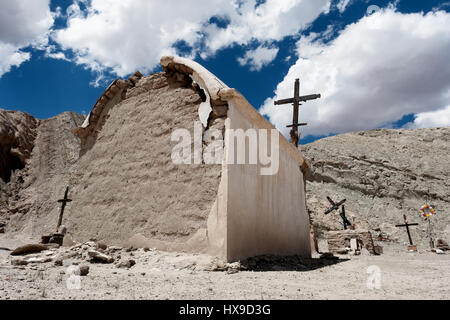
[63, 205]
[407, 228]
[295, 137]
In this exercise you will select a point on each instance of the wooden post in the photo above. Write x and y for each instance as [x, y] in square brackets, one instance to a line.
[63, 205]
[430, 234]
[345, 221]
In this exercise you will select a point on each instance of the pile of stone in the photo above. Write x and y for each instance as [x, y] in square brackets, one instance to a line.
[440, 246]
[352, 241]
[55, 237]
[88, 252]
[34, 253]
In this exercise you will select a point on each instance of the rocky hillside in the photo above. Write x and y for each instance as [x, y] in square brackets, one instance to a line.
[37, 159]
[383, 174]
[17, 134]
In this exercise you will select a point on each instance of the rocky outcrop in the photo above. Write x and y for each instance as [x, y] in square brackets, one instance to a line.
[17, 134]
[386, 163]
[46, 152]
[383, 174]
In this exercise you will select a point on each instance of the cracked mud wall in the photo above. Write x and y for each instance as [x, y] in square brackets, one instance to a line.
[127, 185]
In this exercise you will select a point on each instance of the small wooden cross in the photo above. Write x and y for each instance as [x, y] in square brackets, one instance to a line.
[63, 205]
[295, 137]
[407, 228]
[334, 205]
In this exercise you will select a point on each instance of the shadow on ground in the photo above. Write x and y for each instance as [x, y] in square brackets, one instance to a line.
[288, 263]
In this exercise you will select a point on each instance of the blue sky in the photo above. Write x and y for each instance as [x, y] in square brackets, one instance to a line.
[69, 65]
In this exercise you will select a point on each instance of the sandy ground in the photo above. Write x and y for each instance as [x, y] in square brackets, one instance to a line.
[163, 275]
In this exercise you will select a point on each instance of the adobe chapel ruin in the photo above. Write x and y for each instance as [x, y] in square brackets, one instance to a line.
[127, 190]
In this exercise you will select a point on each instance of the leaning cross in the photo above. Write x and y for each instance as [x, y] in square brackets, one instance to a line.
[334, 205]
[63, 205]
[296, 103]
[407, 228]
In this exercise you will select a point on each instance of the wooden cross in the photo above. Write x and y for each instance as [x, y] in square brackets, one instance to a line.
[407, 228]
[345, 221]
[63, 205]
[295, 137]
[334, 205]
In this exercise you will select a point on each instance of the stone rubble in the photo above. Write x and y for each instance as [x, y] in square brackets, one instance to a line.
[29, 248]
[100, 257]
[350, 241]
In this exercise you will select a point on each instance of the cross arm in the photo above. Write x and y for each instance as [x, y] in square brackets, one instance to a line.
[284, 101]
[407, 225]
[308, 97]
[299, 99]
[65, 200]
[297, 125]
[331, 201]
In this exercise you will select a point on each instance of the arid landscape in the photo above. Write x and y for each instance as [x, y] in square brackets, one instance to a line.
[161, 275]
[383, 174]
[224, 150]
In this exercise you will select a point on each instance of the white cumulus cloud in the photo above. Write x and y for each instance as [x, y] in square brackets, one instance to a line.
[259, 57]
[11, 56]
[373, 73]
[432, 119]
[123, 36]
[22, 23]
[272, 20]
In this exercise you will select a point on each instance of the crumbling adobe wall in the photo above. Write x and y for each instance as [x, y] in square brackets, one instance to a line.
[338, 241]
[127, 184]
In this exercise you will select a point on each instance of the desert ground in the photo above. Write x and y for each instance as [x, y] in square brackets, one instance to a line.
[168, 275]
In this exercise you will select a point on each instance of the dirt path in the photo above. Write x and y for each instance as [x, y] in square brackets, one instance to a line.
[162, 275]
